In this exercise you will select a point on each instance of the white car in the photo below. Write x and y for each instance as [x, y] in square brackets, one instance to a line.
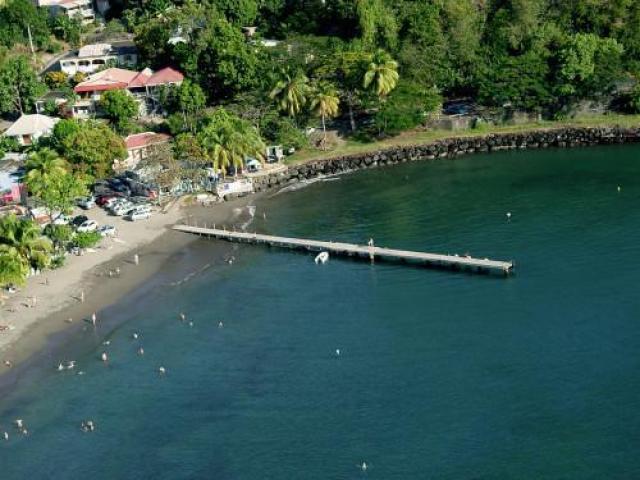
[88, 226]
[87, 203]
[61, 219]
[138, 214]
[121, 209]
[107, 231]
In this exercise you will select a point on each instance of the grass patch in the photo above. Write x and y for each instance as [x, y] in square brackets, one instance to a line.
[354, 146]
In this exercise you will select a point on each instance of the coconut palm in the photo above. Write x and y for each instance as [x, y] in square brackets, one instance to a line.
[382, 74]
[325, 103]
[291, 93]
[228, 140]
[43, 164]
[25, 237]
[13, 268]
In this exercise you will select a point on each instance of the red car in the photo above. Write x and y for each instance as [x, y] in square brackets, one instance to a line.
[102, 200]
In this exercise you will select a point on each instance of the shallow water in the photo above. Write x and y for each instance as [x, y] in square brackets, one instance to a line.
[440, 375]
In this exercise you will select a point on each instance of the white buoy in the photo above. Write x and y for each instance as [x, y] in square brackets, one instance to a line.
[619, 188]
[508, 215]
[191, 324]
[364, 466]
[104, 357]
[135, 336]
[141, 351]
[162, 370]
[337, 352]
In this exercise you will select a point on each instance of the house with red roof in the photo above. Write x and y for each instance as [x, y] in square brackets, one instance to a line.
[144, 86]
[139, 147]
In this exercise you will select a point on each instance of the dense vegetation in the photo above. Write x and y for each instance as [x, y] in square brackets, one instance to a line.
[367, 68]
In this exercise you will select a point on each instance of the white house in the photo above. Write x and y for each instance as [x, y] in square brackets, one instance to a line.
[28, 128]
[91, 58]
[82, 9]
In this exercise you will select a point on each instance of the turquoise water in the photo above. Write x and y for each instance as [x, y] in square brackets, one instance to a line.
[440, 376]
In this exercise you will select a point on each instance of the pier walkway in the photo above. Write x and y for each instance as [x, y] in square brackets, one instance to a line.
[453, 262]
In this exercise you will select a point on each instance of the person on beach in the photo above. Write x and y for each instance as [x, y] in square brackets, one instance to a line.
[93, 319]
[136, 259]
[82, 296]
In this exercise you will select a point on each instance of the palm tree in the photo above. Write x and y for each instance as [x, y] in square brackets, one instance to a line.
[325, 103]
[25, 237]
[228, 140]
[13, 268]
[382, 74]
[291, 93]
[44, 163]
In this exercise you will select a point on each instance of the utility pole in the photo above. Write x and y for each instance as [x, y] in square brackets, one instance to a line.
[33, 50]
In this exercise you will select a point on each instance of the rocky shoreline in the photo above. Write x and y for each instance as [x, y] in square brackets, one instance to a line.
[450, 148]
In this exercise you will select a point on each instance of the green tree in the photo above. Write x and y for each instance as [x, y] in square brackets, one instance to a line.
[60, 235]
[228, 140]
[382, 74]
[67, 29]
[50, 180]
[16, 17]
[119, 107]
[589, 65]
[55, 80]
[325, 102]
[91, 147]
[25, 238]
[378, 24]
[13, 268]
[291, 93]
[19, 85]
[240, 12]
[408, 106]
[190, 101]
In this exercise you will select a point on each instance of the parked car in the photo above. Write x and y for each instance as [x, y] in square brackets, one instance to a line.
[107, 230]
[79, 220]
[88, 226]
[61, 219]
[120, 209]
[138, 214]
[105, 200]
[86, 203]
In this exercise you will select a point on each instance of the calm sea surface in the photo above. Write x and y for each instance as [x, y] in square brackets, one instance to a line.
[440, 376]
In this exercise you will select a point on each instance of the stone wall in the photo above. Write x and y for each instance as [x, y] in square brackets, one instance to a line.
[450, 148]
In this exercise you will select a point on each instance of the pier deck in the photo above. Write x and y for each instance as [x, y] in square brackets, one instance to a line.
[453, 262]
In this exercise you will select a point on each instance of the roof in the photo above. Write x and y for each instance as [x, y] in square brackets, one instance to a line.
[164, 76]
[95, 50]
[118, 78]
[145, 139]
[30, 124]
[109, 79]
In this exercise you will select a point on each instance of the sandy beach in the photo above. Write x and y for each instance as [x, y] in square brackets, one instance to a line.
[66, 297]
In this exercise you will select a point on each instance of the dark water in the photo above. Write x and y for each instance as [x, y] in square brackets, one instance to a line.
[441, 375]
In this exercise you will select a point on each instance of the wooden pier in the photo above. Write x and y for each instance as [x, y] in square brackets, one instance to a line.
[453, 262]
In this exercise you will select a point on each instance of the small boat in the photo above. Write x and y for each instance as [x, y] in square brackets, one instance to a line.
[322, 257]
[71, 365]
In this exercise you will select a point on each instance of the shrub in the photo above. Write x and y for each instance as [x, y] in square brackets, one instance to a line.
[282, 131]
[56, 79]
[86, 239]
